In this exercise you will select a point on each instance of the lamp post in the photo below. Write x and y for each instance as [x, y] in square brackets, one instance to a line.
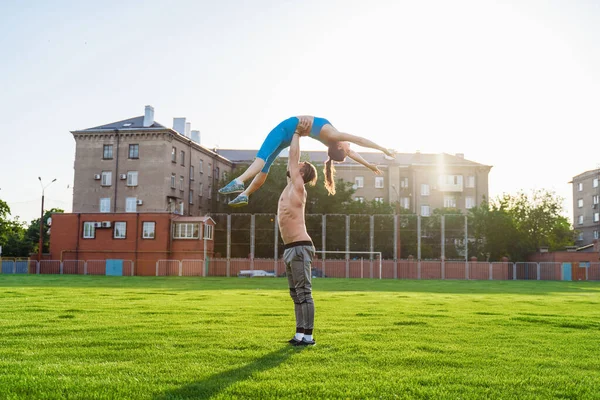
[41, 242]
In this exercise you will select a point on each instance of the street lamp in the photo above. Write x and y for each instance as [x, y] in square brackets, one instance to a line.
[41, 242]
[398, 240]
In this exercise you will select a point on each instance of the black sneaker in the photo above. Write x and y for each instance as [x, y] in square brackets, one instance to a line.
[293, 341]
[305, 342]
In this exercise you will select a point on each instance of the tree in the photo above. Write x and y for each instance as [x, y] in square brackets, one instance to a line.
[518, 225]
[12, 234]
[33, 231]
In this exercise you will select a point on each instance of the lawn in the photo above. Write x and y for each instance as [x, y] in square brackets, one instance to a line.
[94, 337]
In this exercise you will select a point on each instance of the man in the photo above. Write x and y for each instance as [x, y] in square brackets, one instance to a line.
[299, 249]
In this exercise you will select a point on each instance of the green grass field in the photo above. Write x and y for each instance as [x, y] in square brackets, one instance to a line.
[85, 337]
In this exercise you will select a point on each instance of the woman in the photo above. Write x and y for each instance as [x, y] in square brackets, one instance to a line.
[280, 138]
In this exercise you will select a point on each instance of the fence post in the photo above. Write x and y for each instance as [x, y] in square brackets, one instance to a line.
[157, 268]
[395, 246]
[323, 239]
[514, 271]
[347, 246]
[252, 232]
[37, 267]
[538, 271]
[15, 266]
[276, 242]
[491, 273]
[85, 267]
[228, 243]
[418, 247]
[181, 267]
[61, 267]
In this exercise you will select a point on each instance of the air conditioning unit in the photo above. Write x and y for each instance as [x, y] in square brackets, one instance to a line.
[97, 177]
[139, 202]
[123, 176]
[97, 224]
[106, 224]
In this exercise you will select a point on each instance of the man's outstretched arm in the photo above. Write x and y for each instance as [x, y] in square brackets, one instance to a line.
[293, 160]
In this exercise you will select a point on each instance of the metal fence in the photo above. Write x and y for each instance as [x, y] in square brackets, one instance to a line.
[361, 268]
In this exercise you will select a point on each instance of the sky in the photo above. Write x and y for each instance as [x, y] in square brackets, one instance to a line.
[511, 84]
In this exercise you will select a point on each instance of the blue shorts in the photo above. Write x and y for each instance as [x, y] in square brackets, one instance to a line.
[281, 137]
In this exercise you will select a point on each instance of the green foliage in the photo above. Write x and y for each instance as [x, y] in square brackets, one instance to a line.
[515, 226]
[12, 234]
[33, 231]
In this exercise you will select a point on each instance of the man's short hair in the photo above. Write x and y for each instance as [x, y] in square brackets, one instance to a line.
[309, 173]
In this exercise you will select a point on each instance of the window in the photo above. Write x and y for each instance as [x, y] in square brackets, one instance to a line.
[217, 172]
[132, 178]
[182, 155]
[580, 220]
[595, 234]
[181, 183]
[191, 172]
[425, 211]
[105, 204]
[595, 199]
[379, 199]
[174, 154]
[403, 182]
[201, 191]
[201, 167]
[106, 178]
[469, 202]
[130, 204]
[107, 153]
[449, 202]
[209, 191]
[580, 187]
[470, 181]
[596, 217]
[89, 230]
[405, 202]
[453, 180]
[424, 189]
[172, 181]
[595, 183]
[579, 203]
[148, 230]
[580, 236]
[191, 196]
[134, 151]
[359, 182]
[379, 182]
[209, 169]
[120, 230]
[360, 199]
[186, 231]
[208, 231]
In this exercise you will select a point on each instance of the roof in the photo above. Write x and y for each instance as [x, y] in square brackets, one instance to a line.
[205, 219]
[130, 123]
[246, 156]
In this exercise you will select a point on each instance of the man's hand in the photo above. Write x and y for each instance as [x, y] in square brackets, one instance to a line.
[304, 125]
[373, 167]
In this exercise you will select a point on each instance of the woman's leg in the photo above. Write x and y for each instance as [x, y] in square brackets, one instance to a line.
[256, 183]
[252, 170]
[329, 134]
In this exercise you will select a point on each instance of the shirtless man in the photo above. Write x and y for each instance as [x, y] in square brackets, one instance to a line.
[299, 249]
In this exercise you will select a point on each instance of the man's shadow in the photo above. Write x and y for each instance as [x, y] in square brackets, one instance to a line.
[214, 384]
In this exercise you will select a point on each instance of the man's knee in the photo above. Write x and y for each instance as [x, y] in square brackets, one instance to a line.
[294, 296]
[304, 295]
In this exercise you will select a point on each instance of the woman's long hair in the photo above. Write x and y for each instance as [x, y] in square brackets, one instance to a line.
[335, 153]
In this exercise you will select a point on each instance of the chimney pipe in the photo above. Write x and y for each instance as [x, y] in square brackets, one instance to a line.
[148, 116]
[179, 125]
[196, 136]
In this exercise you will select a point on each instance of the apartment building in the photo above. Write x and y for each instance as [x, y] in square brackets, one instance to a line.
[586, 208]
[140, 165]
[419, 183]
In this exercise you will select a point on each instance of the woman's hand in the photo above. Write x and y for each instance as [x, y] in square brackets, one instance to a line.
[373, 167]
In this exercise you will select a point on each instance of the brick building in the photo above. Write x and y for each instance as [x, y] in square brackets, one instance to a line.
[140, 238]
